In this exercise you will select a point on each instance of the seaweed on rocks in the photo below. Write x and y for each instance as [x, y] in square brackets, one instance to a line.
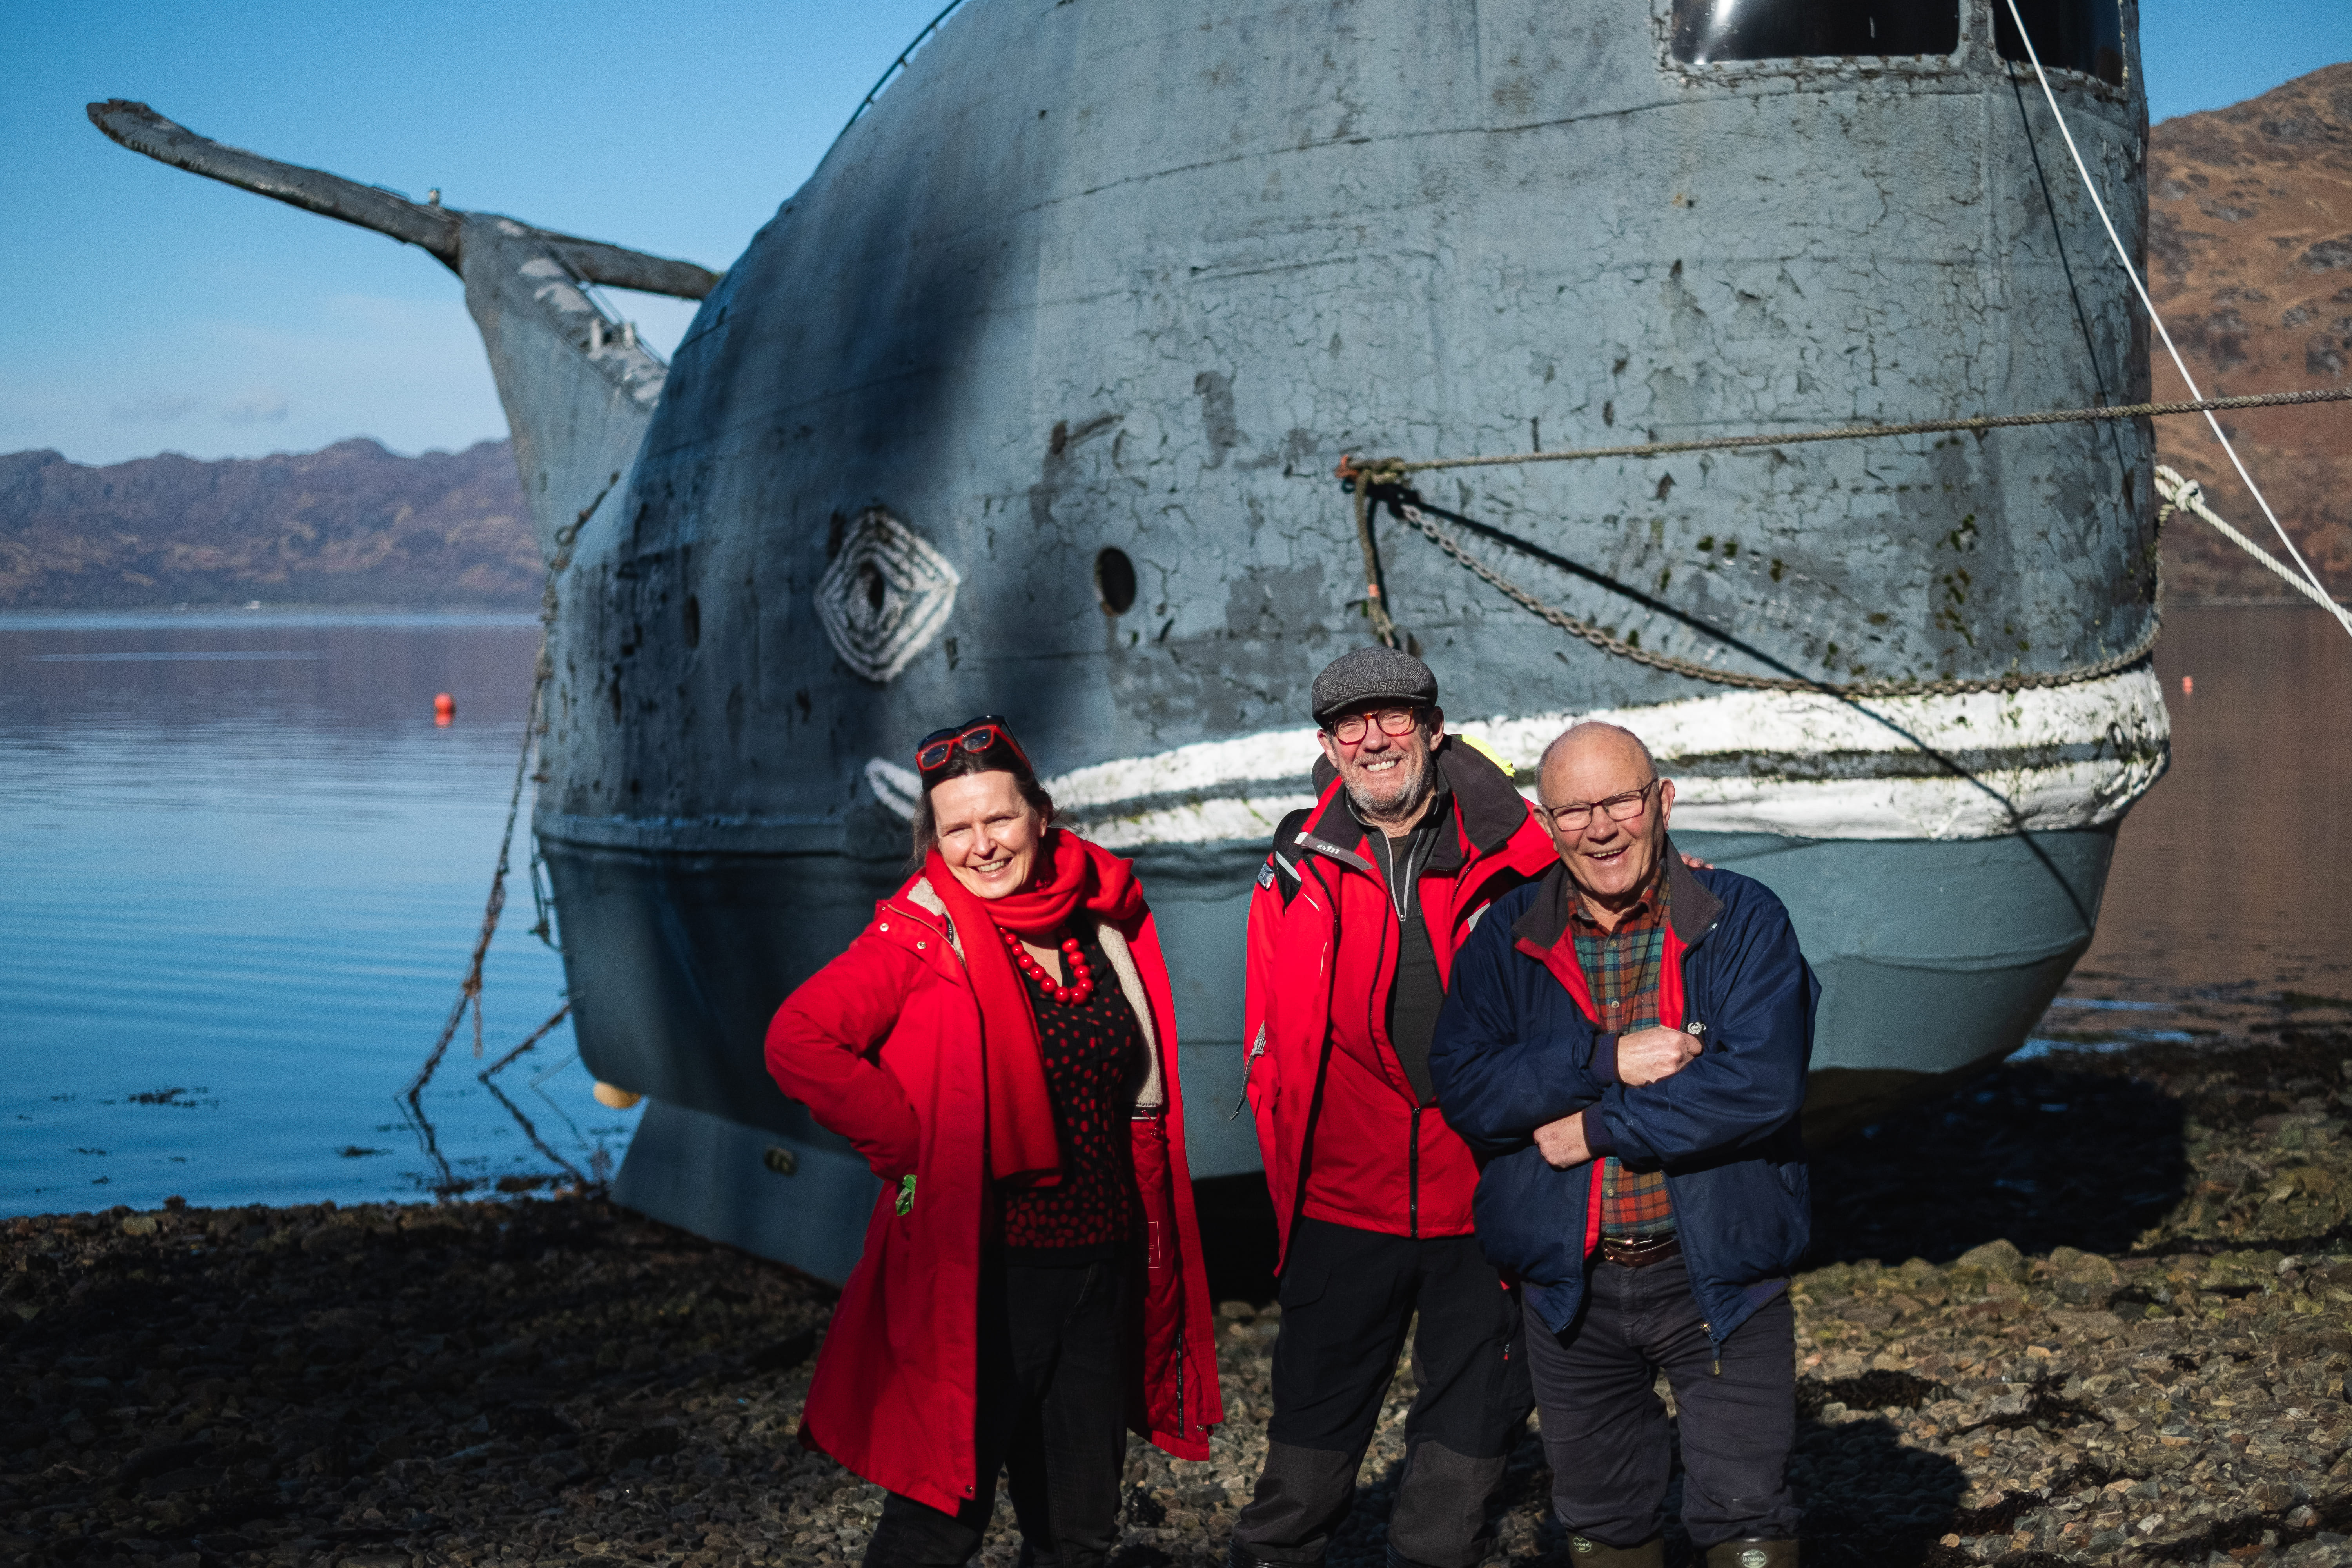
[474, 1383]
[2129, 1269]
[2072, 1366]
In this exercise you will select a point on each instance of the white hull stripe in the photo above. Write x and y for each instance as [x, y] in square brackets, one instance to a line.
[1975, 766]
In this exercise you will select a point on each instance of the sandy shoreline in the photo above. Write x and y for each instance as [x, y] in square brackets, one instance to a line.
[2157, 1376]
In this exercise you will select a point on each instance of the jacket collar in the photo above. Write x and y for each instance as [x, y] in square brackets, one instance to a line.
[918, 900]
[1486, 811]
[1690, 907]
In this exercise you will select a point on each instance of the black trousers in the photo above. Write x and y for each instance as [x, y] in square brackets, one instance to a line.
[1347, 1298]
[1606, 1429]
[1052, 1416]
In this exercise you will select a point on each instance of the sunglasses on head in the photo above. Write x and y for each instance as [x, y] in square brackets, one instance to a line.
[931, 753]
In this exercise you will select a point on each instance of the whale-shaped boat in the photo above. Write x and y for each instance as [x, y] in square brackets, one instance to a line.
[1029, 401]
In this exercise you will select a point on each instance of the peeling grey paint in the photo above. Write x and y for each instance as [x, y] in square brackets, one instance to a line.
[1248, 239]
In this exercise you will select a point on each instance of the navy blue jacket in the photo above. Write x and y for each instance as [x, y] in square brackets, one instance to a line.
[1515, 1049]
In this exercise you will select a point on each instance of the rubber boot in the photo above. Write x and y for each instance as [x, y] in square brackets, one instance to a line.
[1587, 1552]
[1752, 1553]
[1240, 1556]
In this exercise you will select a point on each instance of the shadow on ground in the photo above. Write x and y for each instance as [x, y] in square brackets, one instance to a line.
[2041, 1154]
[2103, 1151]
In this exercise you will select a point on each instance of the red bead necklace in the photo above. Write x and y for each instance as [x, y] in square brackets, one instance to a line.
[1082, 979]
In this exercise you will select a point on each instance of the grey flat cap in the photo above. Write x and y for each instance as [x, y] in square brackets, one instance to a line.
[1373, 675]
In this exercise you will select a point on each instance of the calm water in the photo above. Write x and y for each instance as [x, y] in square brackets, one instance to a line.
[2235, 872]
[241, 871]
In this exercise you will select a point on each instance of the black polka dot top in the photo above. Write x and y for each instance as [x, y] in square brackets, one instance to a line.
[1094, 1057]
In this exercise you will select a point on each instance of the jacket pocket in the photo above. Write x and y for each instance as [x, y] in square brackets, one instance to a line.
[1530, 1217]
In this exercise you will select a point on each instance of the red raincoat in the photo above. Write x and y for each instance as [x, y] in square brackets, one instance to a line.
[882, 1046]
[1331, 1097]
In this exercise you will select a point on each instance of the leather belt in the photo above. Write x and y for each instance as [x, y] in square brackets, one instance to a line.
[1638, 1251]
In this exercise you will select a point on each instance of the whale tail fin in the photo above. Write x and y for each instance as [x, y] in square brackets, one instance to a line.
[428, 226]
[579, 387]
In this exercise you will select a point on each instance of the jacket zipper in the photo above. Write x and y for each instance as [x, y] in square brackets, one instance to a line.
[1412, 1153]
[1413, 1174]
[1322, 1062]
[1184, 1405]
[1258, 1049]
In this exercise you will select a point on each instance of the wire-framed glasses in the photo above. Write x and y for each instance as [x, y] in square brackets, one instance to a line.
[1350, 728]
[1576, 817]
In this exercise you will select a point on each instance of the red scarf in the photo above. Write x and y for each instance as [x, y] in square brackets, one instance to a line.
[1071, 874]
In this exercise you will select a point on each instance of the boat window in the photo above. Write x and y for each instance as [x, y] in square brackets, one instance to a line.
[2086, 35]
[1708, 30]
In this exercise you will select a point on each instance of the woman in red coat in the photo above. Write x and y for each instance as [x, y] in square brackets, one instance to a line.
[999, 1044]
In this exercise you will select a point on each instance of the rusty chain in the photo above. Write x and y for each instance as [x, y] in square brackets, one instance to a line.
[1608, 643]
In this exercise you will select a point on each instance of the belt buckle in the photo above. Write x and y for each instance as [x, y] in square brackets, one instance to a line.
[1638, 1252]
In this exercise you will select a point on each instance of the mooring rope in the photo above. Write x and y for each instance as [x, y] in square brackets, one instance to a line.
[1365, 477]
[2122, 256]
[489, 1073]
[1608, 643]
[1375, 602]
[469, 989]
[1392, 471]
[2188, 495]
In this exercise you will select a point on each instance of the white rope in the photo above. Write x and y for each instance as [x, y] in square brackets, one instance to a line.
[2188, 496]
[2091, 187]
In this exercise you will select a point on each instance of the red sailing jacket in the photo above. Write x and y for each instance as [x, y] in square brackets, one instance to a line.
[880, 1044]
[1344, 1137]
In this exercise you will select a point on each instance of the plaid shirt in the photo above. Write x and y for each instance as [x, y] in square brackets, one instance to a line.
[1622, 967]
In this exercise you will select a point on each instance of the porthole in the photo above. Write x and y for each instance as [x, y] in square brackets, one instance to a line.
[1115, 581]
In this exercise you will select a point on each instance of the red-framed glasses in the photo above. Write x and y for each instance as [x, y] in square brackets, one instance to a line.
[931, 753]
[1349, 729]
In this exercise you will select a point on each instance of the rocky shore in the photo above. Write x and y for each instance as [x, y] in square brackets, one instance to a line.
[2095, 1308]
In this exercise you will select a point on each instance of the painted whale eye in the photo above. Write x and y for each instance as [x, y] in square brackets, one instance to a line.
[885, 596]
[1115, 581]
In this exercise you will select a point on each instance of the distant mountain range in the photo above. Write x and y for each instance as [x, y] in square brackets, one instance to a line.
[2250, 256]
[353, 524]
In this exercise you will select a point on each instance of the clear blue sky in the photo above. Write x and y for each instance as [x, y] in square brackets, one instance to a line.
[160, 311]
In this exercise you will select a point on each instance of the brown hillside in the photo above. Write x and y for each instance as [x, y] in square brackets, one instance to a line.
[353, 524]
[2250, 258]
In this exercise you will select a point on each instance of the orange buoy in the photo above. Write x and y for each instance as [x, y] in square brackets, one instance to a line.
[613, 1097]
[444, 708]
[2187, 685]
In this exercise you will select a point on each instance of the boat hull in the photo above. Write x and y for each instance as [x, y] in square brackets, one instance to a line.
[1027, 403]
[1028, 400]
[1927, 976]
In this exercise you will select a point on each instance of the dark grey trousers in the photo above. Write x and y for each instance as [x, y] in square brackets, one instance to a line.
[1606, 1429]
[1348, 1297]
[1052, 1416]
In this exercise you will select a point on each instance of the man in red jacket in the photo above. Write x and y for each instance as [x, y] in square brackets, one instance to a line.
[1352, 934]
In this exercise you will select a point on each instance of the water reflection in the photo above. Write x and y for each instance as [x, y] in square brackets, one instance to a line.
[2235, 872]
[239, 892]
[242, 870]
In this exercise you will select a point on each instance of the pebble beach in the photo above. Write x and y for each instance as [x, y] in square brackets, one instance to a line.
[2093, 1308]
